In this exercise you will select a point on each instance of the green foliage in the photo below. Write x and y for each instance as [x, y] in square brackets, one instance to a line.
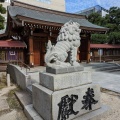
[96, 18]
[114, 37]
[2, 0]
[2, 9]
[1, 25]
[2, 19]
[99, 38]
[111, 21]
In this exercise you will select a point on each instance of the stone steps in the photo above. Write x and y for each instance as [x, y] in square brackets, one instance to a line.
[24, 98]
[31, 113]
[103, 67]
[107, 68]
[114, 70]
[29, 89]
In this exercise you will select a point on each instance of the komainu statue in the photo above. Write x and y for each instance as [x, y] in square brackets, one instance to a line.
[64, 53]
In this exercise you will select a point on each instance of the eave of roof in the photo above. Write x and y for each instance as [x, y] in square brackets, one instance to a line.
[25, 14]
[12, 44]
[104, 46]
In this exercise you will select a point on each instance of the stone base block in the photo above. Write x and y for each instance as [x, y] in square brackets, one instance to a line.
[68, 103]
[62, 81]
[64, 70]
[94, 115]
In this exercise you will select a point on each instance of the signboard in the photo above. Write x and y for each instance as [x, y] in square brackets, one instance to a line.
[100, 52]
[12, 52]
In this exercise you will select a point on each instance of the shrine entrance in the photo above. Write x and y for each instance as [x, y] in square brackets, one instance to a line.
[39, 49]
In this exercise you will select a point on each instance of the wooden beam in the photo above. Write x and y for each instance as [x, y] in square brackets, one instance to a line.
[31, 54]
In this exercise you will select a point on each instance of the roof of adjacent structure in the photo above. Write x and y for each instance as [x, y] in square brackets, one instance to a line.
[12, 44]
[110, 46]
[51, 16]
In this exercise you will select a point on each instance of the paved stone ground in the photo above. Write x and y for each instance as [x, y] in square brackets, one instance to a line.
[107, 80]
[14, 115]
[3, 104]
[5, 111]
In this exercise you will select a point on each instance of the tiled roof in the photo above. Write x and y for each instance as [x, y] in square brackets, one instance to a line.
[50, 17]
[110, 46]
[12, 44]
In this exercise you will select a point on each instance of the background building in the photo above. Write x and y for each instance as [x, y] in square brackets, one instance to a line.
[95, 9]
[108, 52]
[49, 4]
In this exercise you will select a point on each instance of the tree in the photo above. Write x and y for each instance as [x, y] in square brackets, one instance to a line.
[114, 37]
[99, 38]
[95, 18]
[2, 19]
[111, 21]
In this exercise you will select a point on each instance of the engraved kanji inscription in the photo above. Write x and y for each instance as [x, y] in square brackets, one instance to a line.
[66, 107]
[89, 99]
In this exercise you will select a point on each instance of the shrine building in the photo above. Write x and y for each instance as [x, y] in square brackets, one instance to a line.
[31, 27]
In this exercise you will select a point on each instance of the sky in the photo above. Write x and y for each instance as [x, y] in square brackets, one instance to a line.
[73, 6]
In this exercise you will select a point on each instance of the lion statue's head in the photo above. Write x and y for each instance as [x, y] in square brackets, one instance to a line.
[70, 31]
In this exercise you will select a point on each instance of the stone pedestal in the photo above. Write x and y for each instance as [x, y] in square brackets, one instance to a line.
[65, 96]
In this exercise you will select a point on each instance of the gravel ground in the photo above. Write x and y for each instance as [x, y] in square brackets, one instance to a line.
[113, 101]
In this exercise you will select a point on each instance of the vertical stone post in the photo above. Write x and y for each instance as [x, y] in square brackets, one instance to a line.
[8, 80]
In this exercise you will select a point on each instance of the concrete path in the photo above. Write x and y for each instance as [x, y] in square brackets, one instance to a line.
[107, 80]
[6, 90]
[13, 115]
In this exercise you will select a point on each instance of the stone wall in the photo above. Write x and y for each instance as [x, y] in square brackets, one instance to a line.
[18, 76]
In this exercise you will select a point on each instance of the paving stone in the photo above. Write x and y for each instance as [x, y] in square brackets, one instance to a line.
[13, 115]
[3, 104]
[107, 81]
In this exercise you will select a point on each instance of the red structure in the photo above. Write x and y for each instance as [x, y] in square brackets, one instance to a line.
[109, 52]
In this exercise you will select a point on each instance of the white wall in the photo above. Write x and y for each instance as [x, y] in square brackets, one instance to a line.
[104, 13]
[50, 4]
[8, 1]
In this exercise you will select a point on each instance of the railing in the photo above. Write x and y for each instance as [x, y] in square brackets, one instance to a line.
[25, 65]
[21, 64]
[106, 58]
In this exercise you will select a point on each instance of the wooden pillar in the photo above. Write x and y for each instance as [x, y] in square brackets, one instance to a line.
[31, 52]
[88, 49]
[49, 34]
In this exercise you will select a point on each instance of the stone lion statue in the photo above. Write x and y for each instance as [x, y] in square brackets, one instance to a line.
[66, 47]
